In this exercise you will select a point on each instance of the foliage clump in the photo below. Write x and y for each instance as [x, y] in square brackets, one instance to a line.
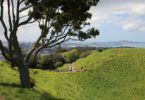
[71, 56]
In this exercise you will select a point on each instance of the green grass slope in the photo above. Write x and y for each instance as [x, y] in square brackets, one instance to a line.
[115, 74]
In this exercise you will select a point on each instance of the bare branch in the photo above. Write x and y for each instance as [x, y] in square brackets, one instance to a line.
[21, 2]
[33, 49]
[58, 43]
[13, 13]
[2, 21]
[25, 8]
[18, 7]
[46, 45]
[52, 42]
[24, 16]
[9, 14]
[31, 22]
[26, 21]
[37, 42]
[4, 51]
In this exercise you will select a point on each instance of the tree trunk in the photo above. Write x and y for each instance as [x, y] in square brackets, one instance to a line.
[24, 75]
[22, 67]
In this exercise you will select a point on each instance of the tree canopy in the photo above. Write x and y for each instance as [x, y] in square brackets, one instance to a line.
[59, 21]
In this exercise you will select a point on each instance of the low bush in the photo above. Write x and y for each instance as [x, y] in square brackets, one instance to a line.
[71, 56]
[56, 60]
[50, 61]
[58, 64]
[100, 50]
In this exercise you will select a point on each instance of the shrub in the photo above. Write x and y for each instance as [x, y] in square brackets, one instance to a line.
[43, 60]
[50, 61]
[58, 64]
[71, 56]
[60, 49]
[100, 50]
[33, 64]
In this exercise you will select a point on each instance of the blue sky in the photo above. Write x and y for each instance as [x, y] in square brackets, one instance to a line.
[119, 20]
[111, 32]
[116, 20]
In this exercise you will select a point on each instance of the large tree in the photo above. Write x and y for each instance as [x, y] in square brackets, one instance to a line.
[59, 21]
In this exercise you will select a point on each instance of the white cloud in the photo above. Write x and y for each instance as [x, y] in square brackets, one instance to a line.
[130, 27]
[135, 24]
[138, 9]
[129, 14]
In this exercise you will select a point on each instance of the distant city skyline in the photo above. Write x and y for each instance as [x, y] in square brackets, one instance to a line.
[116, 20]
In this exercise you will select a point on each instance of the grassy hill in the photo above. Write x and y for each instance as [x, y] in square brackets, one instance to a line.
[114, 74]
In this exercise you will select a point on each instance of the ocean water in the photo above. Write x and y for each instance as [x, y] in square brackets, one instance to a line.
[137, 45]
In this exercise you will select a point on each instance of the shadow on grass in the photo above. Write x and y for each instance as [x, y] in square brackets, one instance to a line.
[41, 95]
[10, 85]
[46, 96]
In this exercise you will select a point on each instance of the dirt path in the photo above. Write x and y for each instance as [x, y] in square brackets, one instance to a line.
[71, 67]
[2, 98]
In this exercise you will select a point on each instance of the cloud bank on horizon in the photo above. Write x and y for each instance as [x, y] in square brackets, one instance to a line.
[116, 20]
